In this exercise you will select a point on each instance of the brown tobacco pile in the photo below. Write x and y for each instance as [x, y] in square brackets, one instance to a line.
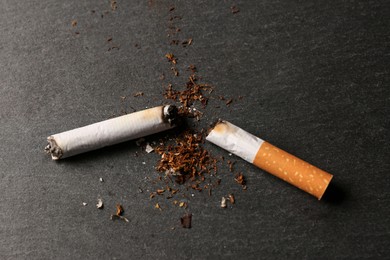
[192, 93]
[186, 160]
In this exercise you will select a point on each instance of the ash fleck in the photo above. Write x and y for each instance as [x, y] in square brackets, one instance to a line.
[100, 204]
[223, 202]
[101, 180]
[85, 203]
[149, 148]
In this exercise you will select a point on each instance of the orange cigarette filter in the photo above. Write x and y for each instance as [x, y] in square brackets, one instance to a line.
[270, 158]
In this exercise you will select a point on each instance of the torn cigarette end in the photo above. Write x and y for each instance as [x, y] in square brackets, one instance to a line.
[270, 158]
[112, 131]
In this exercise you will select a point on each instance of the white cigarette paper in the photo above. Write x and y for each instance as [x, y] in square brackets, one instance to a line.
[112, 131]
[270, 158]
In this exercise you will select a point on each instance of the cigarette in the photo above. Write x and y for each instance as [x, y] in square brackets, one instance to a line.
[112, 131]
[270, 158]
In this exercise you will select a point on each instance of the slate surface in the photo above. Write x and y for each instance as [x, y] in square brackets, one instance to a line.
[314, 77]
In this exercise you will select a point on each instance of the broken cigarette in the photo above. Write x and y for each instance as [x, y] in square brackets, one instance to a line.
[112, 131]
[270, 158]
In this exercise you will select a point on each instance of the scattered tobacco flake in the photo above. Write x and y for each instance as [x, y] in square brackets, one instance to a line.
[157, 206]
[186, 220]
[240, 179]
[231, 164]
[112, 48]
[228, 102]
[234, 9]
[100, 204]
[172, 8]
[74, 23]
[113, 5]
[183, 204]
[160, 191]
[187, 42]
[175, 71]
[109, 39]
[192, 68]
[171, 58]
[77, 33]
[118, 214]
[138, 94]
[223, 202]
[174, 42]
[231, 198]
[119, 209]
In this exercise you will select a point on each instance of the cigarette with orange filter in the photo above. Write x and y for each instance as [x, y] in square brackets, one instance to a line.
[270, 158]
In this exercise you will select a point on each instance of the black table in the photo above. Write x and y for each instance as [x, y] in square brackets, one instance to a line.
[309, 77]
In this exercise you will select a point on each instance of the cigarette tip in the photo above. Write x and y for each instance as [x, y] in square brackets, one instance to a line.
[170, 113]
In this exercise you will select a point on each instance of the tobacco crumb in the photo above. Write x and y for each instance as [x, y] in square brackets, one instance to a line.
[231, 164]
[157, 206]
[175, 71]
[192, 68]
[186, 220]
[138, 94]
[160, 191]
[234, 9]
[109, 39]
[231, 198]
[223, 202]
[100, 204]
[171, 58]
[228, 102]
[187, 42]
[119, 209]
[172, 8]
[118, 214]
[74, 23]
[240, 179]
[113, 5]
[77, 33]
[183, 205]
[174, 42]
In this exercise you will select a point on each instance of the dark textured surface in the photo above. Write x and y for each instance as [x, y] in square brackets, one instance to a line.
[314, 77]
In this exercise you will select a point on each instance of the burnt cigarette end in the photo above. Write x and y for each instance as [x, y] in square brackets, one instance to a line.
[170, 114]
[53, 149]
[214, 124]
